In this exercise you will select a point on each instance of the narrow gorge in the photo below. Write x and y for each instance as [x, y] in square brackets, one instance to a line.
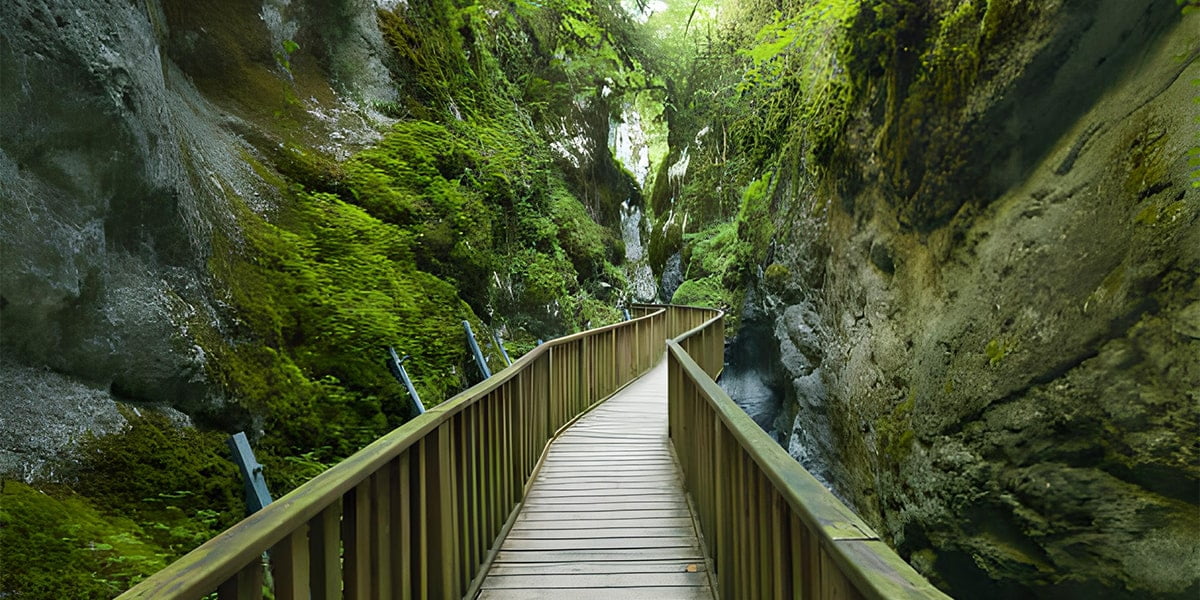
[957, 243]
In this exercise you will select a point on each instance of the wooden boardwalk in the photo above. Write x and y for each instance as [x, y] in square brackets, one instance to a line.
[606, 517]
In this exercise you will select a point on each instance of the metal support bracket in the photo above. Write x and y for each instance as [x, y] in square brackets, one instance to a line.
[395, 364]
[479, 360]
[500, 346]
[257, 495]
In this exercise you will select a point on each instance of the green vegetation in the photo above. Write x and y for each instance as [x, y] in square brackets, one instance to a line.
[460, 212]
[997, 349]
[284, 57]
[768, 94]
[135, 501]
[64, 547]
[775, 277]
[895, 433]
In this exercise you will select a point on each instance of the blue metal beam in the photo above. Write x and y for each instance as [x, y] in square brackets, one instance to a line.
[500, 345]
[479, 360]
[395, 364]
[257, 495]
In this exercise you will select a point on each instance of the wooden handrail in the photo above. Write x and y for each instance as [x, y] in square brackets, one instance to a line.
[772, 530]
[416, 514]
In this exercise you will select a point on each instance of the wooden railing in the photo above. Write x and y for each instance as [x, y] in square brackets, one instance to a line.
[417, 513]
[771, 529]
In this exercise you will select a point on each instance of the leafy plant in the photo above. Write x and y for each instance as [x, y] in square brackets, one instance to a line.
[284, 58]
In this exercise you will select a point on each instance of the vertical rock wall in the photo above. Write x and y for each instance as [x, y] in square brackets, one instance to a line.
[1013, 351]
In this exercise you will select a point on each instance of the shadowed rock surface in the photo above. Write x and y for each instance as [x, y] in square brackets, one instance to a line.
[1014, 396]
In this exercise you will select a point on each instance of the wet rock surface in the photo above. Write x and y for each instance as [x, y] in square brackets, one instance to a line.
[1011, 395]
[751, 375]
[58, 408]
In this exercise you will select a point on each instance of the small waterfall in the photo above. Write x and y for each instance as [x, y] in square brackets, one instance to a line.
[641, 277]
[627, 139]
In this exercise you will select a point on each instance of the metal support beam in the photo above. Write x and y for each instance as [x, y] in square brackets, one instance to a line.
[396, 366]
[479, 360]
[500, 346]
[257, 495]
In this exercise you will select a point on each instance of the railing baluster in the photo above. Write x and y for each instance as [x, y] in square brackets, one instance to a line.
[246, 584]
[325, 553]
[356, 537]
[289, 566]
[798, 536]
[381, 534]
[466, 547]
[779, 559]
[734, 575]
[442, 517]
[474, 488]
[762, 529]
[421, 497]
[402, 551]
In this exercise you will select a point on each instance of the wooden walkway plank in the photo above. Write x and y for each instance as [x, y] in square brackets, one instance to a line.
[644, 593]
[607, 516]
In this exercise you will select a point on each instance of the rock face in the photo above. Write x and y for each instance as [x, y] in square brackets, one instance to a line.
[119, 154]
[155, 157]
[1010, 385]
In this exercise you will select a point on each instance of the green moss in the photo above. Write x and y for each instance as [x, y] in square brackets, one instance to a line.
[714, 251]
[754, 226]
[323, 292]
[152, 456]
[996, 349]
[145, 497]
[1149, 163]
[63, 546]
[1148, 215]
[776, 277]
[895, 432]
[665, 240]
[706, 291]
[916, 63]
[713, 271]
[590, 247]
[1108, 289]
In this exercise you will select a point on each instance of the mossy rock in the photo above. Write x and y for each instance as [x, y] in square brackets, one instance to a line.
[178, 479]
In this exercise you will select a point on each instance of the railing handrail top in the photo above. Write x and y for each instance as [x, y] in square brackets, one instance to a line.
[276, 520]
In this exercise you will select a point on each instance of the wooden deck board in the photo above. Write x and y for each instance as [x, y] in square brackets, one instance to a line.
[644, 593]
[606, 516]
